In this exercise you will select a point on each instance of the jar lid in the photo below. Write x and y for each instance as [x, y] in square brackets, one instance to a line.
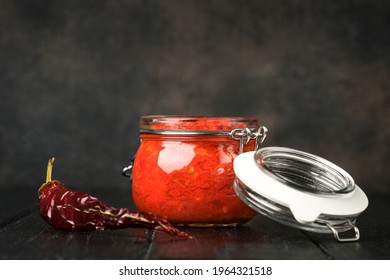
[300, 190]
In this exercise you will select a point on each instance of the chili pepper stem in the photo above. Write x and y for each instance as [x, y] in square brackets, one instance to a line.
[49, 172]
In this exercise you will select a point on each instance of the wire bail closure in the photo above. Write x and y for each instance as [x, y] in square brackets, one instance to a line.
[339, 238]
[128, 170]
[244, 135]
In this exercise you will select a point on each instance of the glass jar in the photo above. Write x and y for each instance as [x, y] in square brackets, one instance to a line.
[183, 168]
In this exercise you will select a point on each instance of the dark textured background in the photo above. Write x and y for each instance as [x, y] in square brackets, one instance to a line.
[75, 77]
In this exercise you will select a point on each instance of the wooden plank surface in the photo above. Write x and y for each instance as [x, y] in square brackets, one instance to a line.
[24, 235]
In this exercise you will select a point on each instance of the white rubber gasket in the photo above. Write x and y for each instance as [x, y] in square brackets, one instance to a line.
[305, 206]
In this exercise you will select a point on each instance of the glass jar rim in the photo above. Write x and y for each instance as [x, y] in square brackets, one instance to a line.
[304, 171]
[194, 125]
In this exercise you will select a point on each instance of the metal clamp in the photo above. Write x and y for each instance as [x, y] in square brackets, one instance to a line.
[128, 170]
[345, 239]
[244, 135]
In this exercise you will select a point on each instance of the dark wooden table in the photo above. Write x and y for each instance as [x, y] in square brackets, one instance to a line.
[24, 236]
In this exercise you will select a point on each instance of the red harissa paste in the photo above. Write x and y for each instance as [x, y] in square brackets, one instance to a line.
[183, 171]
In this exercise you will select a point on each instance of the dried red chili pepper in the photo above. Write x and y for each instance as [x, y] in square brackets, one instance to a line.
[66, 209]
